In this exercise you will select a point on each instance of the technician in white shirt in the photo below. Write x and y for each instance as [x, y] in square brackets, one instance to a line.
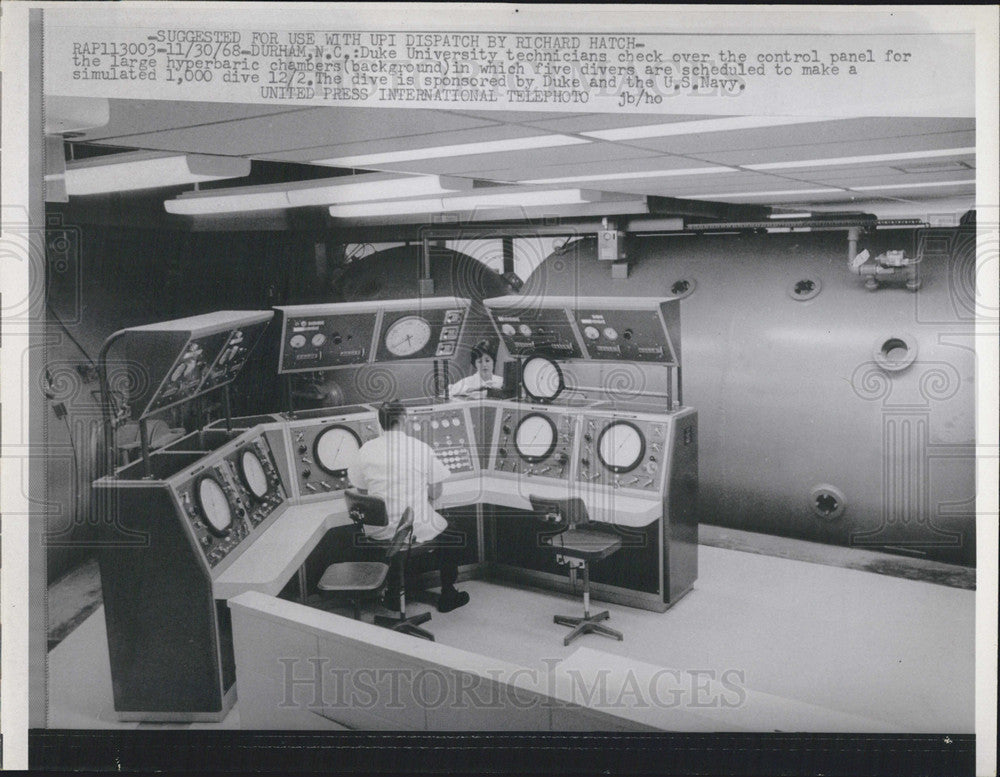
[405, 472]
[482, 379]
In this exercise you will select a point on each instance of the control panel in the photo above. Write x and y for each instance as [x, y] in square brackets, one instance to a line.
[322, 449]
[226, 501]
[421, 334]
[320, 340]
[624, 335]
[448, 430]
[622, 451]
[534, 441]
[543, 331]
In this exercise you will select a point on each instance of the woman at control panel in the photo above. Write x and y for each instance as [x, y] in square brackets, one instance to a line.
[477, 383]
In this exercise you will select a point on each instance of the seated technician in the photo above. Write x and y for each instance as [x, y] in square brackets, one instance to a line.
[483, 378]
[405, 472]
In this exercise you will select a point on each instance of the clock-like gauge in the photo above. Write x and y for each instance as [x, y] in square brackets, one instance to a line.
[541, 377]
[535, 437]
[407, 336]
[335, 449]
[508, 329]
[214, 506]
[620, 446]
[591, 332]
[611, 333]
[252, 472]
[318, 339]
[524, 329]
[297, 341]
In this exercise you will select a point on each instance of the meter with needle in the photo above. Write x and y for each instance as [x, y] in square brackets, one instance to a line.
[535, 437]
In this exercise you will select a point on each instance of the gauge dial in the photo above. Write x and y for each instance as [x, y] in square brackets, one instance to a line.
[525, 330]
[407, 336]
[253, 473]
[541, 378]
[214, 506]
[508, 329]
[535, 437]
[335, 449]
[611, 333]
[621, 446]
[591, 332]
[318, 339]
[297, 341]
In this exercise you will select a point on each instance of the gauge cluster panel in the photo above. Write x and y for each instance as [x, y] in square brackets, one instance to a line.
[542, 331]
[624, 335]
[226, 501]
[322, 449]
[321, 340]
[622, 451]
[534, 441]
[448, 431]
[157, 366]
[426, 334]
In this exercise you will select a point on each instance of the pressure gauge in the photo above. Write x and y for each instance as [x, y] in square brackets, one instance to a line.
[508, 330]
[297, 341]
[214, 506]
[535, 437]
[335, 449]
[252, 472]
[541, 377]
[620, 446]
[591, 332]
[407, 336]
[525, 330]
[611, 333]
[318, 339]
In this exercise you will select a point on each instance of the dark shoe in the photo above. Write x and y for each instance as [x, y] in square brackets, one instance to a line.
[452, 600]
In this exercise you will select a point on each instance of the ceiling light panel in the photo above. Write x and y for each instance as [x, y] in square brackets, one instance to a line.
[454, 150]
[703, 126]
[143, 170]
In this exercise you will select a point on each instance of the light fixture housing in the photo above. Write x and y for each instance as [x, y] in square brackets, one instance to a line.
[149, 170]
[345, 189]
[459, 149]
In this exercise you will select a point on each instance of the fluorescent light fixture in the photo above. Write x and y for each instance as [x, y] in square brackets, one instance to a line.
[969, 182]
[790, 216]
[642, 174]
[502, 197]
[700, 126]
[860, 160]
[460, 149]
[345, 189]
[148, 170]
[782, 193]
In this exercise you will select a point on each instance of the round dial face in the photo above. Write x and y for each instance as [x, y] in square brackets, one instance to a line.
[611, 333]
[525, 330]
[318, 339]
[535, 437]
[542, 378]
[620, 446]
[297, 341]
[335, 449]
[508, 329]
[253, 473]
[214, 505]
[591, 332]
[407, 336]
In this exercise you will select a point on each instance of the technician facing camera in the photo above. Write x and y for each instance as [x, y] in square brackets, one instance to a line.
[482, 379]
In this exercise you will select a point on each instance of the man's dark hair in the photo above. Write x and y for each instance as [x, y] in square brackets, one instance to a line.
[480, 349]
[390, 414]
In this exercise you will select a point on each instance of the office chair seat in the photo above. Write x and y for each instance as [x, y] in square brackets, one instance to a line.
[585, 544]
[353, 576]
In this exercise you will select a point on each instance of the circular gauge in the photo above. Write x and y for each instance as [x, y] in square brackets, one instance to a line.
[541, 377]
[407, 336]
[214, 506]
[591, 332]
[620, 446]
[611, 333]
[525, 330]
[535, 437]
[254, 477]
[335, 449]
[318, 339]
[297, 341]
[508, 329]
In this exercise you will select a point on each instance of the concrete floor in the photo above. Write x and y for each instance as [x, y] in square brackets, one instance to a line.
[817, 648]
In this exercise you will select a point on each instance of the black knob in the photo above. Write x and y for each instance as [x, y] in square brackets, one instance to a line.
[584, 462]
[506, 429]
[562, 458]
[502, 452]
[306, 472]
[587, 438]
[303, 448]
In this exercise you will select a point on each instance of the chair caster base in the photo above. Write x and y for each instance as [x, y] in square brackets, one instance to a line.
[409, 625]
[586, 625]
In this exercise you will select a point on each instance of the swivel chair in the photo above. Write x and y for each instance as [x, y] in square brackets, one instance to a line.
[570, 537]
[369, 577]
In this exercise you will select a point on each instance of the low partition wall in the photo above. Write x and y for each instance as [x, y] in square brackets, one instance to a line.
[302, 668]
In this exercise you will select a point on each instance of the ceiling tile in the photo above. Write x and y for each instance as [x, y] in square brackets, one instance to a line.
[882, 175]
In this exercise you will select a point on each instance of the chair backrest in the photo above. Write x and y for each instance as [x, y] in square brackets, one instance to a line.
[365, 509]
[403, 537]
[560, 514]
